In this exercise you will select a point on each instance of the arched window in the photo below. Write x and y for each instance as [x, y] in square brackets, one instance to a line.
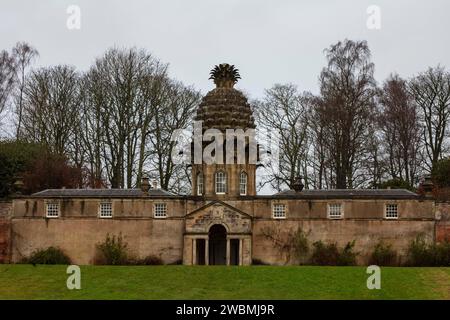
[243, 184]
[199, 184]
[221, 182]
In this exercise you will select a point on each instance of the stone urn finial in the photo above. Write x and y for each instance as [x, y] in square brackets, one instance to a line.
[298, 184]
[427, 186]
[145, 185]
[18, 185]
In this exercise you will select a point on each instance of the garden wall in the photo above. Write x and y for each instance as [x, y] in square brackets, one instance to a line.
[443, 221]
[78, 238]
[366, 233]
[5, 231]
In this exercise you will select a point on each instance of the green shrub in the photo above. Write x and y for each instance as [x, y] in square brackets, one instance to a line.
[176, 262]
[151, 260]
[258, 262]
[113, 251]
[441, 173]
[442, 254]
[396, 184]
[330, 255]
[421, 254]
[347, 257]
[383, 255]
[300, 241]
[324, 254]
[51, 255]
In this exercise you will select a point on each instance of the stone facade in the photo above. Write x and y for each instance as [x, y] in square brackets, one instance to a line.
[184, 234]
[78, 229]
[233, 225]
[238, 228]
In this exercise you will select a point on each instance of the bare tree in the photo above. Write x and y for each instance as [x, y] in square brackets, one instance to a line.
[7, 79]
[320, 170]
[50, 108]
[91, 130]
[175, 112]
[431, 90]
[119, 92]
[154, 90]
[374, 161]
[346, 109]
[130, 109]
[285, 111]
[23, 54]
[401, 130]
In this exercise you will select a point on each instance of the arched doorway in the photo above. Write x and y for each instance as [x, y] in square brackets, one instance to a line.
[217, 245]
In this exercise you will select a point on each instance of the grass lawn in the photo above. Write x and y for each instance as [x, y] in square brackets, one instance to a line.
[219, 282]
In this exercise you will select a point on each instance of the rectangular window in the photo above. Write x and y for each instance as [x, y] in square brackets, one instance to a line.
[160, 210]
[391, 211]
[105, 210]
[279, 211]
[335, 211]
[243, 184]
[221, 183]
[199, 184]
[52, 210]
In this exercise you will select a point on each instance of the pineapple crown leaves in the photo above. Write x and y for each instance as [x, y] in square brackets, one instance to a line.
[224, 72]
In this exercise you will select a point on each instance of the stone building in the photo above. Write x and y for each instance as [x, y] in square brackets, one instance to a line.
[223, 221]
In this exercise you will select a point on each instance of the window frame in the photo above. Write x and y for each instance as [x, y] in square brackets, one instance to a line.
[241, 175]
[52, 203]
[341, 211]
[386, 205]
[156, 214]
[274, 210]
[200, 177]
[224, 182]
[100, 210]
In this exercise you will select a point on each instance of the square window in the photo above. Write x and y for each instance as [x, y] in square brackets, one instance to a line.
[52, 210]
[160, 210]
[335, 211]
[279, 211]
[106, 210]
[391, 211]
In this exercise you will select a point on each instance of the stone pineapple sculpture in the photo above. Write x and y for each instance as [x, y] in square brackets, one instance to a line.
[224, 107]
[224, 75]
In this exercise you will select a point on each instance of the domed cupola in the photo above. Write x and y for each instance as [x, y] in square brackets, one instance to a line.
[225, 107]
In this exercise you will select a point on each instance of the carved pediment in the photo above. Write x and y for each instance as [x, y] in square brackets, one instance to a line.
[218, 212]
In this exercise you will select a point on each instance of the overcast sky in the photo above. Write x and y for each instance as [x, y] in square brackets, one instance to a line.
[269, 41]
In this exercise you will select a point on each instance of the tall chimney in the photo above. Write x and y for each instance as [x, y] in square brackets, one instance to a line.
[145, 185]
